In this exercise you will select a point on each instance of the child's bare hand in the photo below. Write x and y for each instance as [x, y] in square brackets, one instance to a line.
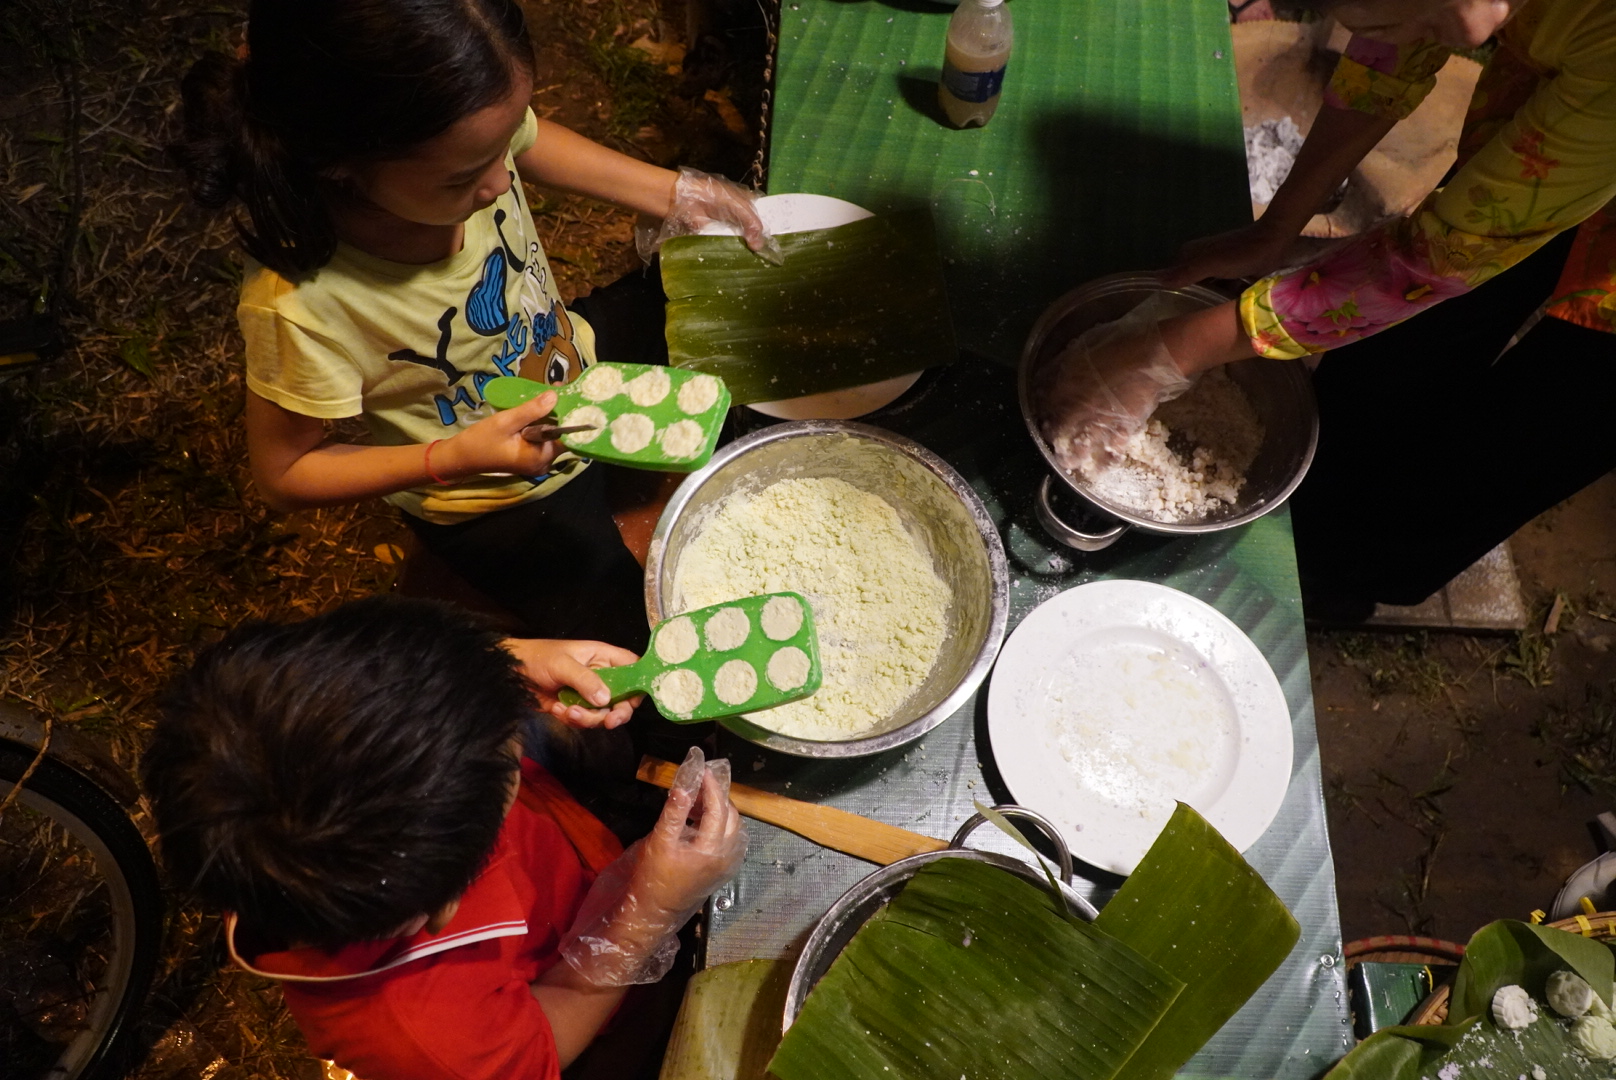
[698, 842]
[552, 664]
[495, 444]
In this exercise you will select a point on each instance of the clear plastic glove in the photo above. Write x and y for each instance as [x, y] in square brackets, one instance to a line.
[627, 930]
[1103, 387]
[699, 199]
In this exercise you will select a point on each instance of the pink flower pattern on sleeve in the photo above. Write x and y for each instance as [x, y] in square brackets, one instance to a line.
[1545, 162]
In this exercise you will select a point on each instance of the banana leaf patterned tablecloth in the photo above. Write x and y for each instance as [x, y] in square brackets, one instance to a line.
[1118, 137]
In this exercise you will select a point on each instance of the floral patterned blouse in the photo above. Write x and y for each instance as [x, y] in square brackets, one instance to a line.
[1537, 157]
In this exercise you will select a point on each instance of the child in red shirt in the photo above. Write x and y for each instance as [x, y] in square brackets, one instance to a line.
[349, 789]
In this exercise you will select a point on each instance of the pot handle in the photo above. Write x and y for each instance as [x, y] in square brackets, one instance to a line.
[1039, 821]
[1072, 538]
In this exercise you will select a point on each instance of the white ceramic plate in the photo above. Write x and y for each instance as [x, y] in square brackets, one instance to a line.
[803, 213]
[1116, 699]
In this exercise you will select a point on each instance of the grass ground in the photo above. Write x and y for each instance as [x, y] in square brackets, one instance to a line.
[1462, 771]
[129, 533]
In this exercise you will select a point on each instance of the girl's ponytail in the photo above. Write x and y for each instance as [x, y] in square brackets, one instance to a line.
[227, 154]
[211, 150]
[331, 82]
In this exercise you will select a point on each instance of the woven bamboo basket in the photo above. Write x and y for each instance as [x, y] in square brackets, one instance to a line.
[1600, 926]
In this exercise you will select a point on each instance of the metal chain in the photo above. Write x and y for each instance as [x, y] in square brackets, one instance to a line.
[758, 174]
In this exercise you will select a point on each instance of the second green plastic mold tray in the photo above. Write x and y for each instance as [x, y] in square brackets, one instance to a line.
[741, 656]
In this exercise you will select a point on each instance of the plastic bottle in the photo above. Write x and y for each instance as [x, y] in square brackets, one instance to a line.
[979, 40]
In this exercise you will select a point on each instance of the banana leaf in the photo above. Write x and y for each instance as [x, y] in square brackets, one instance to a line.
[973, 972]
[1195, 907]
[729, 1022]
[1475, 1050]
[1392, 1055]
[850, 305]
[1503, 953]
[1510, 952]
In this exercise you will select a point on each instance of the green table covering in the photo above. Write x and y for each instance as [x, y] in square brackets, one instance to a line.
[1117, 138]
[1297, 1022]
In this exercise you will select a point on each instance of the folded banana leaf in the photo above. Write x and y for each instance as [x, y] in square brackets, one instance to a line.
[850, 305]
[729, 1022]
[1511, 952]
[973, 972]
[1198, 909]
[1503, 953]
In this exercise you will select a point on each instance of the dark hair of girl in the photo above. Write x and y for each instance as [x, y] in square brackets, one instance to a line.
[333, 81]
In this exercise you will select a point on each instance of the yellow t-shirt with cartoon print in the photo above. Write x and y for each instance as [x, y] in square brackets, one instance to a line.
[410, 348]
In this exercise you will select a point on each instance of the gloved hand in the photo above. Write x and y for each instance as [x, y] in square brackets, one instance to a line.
[1103, 387]
[698, 200]
[627, 930]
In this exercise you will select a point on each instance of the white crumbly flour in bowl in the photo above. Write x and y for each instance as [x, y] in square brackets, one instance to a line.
[1191, 458]
[879, 606]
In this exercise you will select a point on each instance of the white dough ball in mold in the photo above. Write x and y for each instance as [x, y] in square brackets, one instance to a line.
[698, 395]
[676, 641]
[683, 439]
[601, 383]
[789, 668]
[782, 618]
[584, 414]
[735, 682]
[728, 630]
[648, 389]
[680, 691]
[632, 432]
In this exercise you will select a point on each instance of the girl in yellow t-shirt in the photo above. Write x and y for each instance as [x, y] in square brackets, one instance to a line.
[393, 270]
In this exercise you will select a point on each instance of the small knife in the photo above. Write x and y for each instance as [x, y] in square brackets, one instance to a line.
[538, 433]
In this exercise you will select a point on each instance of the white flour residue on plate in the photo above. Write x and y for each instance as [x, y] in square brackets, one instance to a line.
[1141, 722]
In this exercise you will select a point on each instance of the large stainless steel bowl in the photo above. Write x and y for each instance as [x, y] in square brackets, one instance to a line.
[1280, 391]
[937, 507]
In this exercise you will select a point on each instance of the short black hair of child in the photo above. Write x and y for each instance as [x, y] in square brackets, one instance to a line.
[330, 780]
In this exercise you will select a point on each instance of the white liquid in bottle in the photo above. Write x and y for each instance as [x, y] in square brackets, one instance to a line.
[979, 40]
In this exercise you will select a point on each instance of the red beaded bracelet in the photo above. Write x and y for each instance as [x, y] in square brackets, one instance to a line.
[436, 479]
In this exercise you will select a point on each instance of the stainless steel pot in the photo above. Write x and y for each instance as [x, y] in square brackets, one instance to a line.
[838, 925]
[937, 507]
[1280, 391]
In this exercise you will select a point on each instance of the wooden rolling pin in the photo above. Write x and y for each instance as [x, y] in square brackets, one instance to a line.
[861, 837]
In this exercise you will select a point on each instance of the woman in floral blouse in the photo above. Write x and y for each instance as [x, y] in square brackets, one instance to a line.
[1433, 447]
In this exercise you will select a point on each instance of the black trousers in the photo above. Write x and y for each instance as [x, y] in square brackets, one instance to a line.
[1433, 448]
[559, 563]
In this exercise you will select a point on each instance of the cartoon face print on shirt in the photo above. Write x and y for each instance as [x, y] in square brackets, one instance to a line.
[537, 339]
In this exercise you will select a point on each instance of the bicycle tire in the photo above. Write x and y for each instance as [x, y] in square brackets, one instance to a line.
[96, 820]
